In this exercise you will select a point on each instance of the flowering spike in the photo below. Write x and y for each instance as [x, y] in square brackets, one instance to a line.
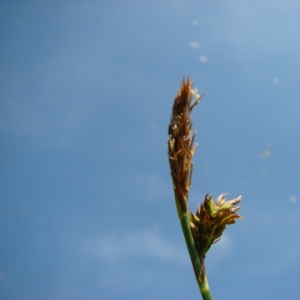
[204, 228]
[181, 146]
[212, 218]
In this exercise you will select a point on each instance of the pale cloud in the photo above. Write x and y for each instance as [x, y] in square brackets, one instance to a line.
[248, 30]
[194, 45]
[219, 251]
[280, 233]
[150, 244]
[137, 244]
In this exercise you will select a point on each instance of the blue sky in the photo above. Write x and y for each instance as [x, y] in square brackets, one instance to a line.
[86, 203]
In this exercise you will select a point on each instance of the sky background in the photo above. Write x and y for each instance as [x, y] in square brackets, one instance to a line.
[86, 202]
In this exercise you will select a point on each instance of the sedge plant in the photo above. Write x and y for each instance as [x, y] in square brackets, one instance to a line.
[206, 226]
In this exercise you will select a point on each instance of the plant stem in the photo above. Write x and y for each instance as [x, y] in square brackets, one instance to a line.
[205, 291]
[198, 264]
[206, 295]
[184, 221]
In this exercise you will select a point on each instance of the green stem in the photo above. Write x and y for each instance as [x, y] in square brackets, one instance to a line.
[205, 291]
[198, 264]
[184, 221]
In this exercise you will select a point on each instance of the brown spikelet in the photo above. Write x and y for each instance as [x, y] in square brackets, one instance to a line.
[181, 146]
[210, 220]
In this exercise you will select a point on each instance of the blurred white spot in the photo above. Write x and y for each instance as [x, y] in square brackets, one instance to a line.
[269, 144]
[1, 275]
[194, 45]
[266, 153]
[293, 199]
[203, 59]
[195, 22]
[275, 80]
